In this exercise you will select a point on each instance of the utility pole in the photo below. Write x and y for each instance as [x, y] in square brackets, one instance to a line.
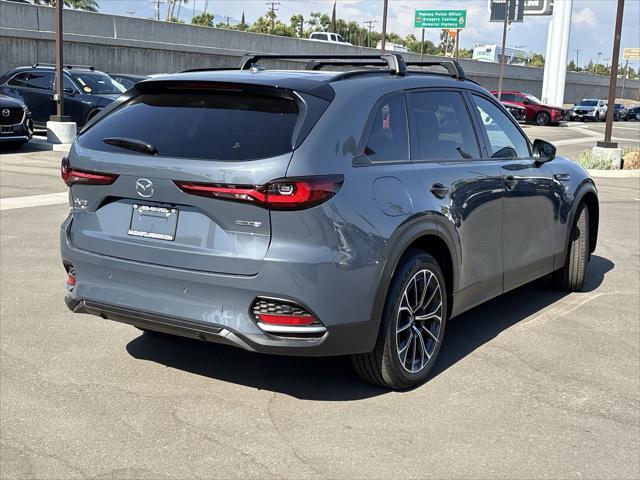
[156, 6]
[595, 66]
[273, 9]
[59, 96]
[504, 47]
[227, 19]
[457, 42]
[384, 24]
[369, 23]
[131, 12]
[578, 50]
[422, 46]
[614, 78]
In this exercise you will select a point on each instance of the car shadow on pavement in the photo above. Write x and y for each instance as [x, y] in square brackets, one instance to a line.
[480, 325]
[333, 378]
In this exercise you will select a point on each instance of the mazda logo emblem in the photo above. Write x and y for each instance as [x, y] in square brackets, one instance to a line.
[144, 187]
[6, 112]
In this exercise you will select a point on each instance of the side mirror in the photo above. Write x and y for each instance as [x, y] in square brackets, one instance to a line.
[68, 91]
[543, 151]
[525, 101]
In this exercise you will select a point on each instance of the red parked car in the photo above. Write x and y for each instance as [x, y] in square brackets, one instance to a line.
[537, 111]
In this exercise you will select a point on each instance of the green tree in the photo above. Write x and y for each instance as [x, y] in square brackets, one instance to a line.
[414, 45]
[319, 22]
[243, 24]
[175, 20]
[333, 18]
[297, 23]
[536, 60]
[204, 20]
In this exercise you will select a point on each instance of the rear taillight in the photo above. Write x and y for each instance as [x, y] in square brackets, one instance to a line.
[71, 175]
[282, 194]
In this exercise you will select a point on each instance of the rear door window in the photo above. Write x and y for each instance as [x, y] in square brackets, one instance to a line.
[40, 80]
[214, 126]
[19, 80]
[388, 137]
[442, 127]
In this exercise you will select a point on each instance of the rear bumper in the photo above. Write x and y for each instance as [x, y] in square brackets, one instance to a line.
[216, 307]
[338, 340]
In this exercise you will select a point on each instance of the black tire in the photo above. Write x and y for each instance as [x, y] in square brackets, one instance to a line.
[543, 119]
[383, 366]
[596, 118]
[572, 275]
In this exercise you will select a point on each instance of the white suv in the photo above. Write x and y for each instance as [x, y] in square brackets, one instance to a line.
[328, 37]
[589, 109]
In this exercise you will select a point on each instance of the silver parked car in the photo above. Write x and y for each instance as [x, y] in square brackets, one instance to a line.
[317, 212]
[589, 109]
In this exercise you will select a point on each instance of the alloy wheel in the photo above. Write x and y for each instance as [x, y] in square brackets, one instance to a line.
[419, 321]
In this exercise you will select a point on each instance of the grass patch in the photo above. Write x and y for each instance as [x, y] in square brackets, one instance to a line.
[593, 162]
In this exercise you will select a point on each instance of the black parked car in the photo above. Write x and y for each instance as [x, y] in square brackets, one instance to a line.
[620, 112]
[16, 125]
[127, 80]
[634, 112]
[86, 91]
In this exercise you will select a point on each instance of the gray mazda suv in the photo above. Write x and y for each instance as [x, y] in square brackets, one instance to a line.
[315, 212]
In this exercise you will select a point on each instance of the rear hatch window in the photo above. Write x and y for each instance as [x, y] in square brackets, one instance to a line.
[201, 125]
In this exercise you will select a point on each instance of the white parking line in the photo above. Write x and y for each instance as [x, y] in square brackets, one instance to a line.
[33, 200]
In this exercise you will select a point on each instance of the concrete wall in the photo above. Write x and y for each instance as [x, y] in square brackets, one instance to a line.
[131, 45]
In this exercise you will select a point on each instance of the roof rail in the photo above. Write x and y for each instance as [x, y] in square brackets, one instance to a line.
[208, 69]
[67, 66]
[394, 61]
[454, 69]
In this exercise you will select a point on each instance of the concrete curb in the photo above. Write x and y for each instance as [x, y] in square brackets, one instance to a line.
[42, 144]
[615, 173]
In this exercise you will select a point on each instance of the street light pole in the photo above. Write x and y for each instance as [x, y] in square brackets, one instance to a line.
[504, 46]
[422, 46]
[614, 78]
[59, 97]
[384, 24]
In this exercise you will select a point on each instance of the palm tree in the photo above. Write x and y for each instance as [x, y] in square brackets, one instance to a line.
[88, 5]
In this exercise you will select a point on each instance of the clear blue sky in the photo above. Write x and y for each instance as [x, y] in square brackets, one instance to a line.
[591, 26]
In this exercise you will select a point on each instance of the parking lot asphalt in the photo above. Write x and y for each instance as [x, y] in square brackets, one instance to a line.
[533, 384]
[572, 138]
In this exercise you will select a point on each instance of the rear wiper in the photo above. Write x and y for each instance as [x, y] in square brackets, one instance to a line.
[131, 144]
[463, 153]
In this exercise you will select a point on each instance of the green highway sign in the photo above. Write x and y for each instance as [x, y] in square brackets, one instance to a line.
[441, 19]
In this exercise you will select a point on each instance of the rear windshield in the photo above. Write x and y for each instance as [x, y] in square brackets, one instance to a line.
[214, 126]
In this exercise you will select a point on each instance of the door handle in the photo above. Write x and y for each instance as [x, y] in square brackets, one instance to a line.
[510, 182]
[439, 190]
